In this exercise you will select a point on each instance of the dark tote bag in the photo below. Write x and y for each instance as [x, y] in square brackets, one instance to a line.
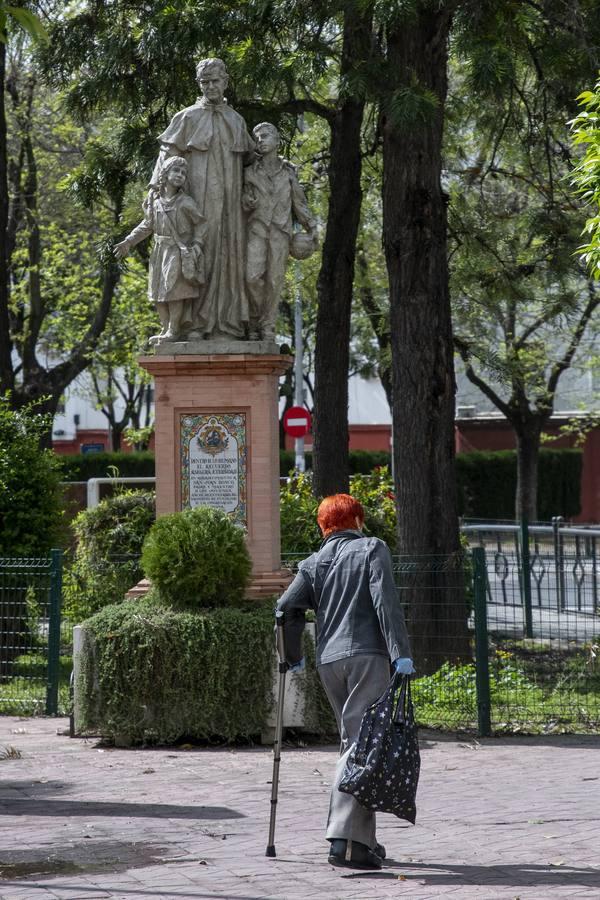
[382, 770]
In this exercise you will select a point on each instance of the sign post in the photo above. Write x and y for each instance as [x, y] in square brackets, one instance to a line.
[297, 423]
[299, 462]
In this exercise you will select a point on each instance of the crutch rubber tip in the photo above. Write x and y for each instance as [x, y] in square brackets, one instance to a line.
[271, 851]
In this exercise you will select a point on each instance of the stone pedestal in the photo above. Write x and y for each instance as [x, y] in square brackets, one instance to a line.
[217, 442]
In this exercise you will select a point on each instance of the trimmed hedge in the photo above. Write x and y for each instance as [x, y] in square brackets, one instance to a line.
[361, 461]
[487, 483]
[81, 466]
[156, 675]
[486, 479]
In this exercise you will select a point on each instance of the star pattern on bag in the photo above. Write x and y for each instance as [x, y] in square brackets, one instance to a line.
[382, 770]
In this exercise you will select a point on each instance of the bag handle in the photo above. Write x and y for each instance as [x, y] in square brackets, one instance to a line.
[404, 707]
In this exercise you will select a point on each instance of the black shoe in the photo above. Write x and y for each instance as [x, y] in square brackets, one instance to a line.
[352, 855]
[379, 849]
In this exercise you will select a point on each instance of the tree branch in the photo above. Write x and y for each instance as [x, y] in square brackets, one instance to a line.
[465, 354]
[565, 362]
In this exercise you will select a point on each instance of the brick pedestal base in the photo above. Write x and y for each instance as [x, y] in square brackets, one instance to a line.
[223, 384]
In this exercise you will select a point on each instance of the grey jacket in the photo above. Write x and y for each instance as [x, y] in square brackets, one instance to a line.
[350, 586]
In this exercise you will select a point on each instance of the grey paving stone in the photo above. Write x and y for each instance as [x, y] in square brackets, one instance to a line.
[511, 818]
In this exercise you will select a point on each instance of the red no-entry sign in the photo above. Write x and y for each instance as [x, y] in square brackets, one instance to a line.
[296, 421]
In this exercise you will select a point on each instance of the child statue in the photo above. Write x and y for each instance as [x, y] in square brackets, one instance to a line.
[177, 260]
[274, 200]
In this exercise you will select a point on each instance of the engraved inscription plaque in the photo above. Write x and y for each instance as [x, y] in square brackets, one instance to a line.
[214, 462]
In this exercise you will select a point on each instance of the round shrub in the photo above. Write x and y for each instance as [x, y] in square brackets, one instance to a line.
[197, 559]
[109, 546]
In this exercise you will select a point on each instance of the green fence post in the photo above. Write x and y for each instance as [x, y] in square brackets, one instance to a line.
[526, 577]
[482, 669]
[54, 632]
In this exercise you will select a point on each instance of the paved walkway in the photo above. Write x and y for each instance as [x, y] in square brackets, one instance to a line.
[503, 818]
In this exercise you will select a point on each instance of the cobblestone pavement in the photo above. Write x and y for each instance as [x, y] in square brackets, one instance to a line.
[501, 818]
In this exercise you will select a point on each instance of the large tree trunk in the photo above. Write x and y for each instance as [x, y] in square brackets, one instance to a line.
[6, 370]
[528, 449]
[414, 237]
[334, 287]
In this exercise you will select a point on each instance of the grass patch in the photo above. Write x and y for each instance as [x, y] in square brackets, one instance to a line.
[534, 688]
[24, 693]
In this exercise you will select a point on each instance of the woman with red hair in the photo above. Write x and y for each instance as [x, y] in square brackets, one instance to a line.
[349, 584]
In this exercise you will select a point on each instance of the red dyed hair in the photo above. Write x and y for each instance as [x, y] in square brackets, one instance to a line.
[339, 512]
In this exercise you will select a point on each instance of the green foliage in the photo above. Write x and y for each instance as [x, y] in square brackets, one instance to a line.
[524, 311]
[375, 492]
[586, 174]
[449, 695]
[215, 672]
[81, 466]
[35, 665]
[486, 490]
[107, 558]
[23, 696]
[411, 105]
[533, 687]
[60, 292]
[16, 16]
[299, 531]
[298, 509]
[487, 483]
[197, 558]
[361, 461]
[30, 503]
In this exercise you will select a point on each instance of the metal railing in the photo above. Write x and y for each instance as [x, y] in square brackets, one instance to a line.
[537, 669]
[30, 634]
[558, 564]
[93, 485]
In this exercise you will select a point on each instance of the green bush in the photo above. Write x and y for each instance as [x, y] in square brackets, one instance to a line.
[361, 461]
[107, 558]
[487, 483]
[30, 501]
[197, 559]
[487, 480]
[299, 530]
[81, 466]
[157, 674]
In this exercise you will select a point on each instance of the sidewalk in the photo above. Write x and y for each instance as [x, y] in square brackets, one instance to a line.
[503, 818]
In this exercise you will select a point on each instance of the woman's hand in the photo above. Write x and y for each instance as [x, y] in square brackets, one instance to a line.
[404, 665]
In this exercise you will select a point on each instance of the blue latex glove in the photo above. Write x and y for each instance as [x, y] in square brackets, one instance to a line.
[404, 665]
[299, 666]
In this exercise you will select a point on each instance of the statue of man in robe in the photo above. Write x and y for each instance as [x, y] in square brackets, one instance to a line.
[213, 138]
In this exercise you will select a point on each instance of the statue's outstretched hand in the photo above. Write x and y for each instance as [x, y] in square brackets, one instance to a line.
[122, 249]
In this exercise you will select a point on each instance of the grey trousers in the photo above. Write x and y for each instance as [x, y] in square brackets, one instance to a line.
[351, 685]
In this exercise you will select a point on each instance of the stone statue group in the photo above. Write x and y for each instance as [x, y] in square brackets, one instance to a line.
[222, 207]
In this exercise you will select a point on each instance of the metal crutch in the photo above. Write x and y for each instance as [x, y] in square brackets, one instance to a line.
[283, 667]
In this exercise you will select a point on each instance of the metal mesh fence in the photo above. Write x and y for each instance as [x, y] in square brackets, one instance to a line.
[543, 639]
[33, 675]
[503, 640]
[437, 595]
